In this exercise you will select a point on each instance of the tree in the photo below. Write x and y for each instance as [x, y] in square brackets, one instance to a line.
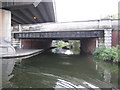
[114, 16]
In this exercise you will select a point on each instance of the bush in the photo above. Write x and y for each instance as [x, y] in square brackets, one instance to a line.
[106, 54]
[61, 44]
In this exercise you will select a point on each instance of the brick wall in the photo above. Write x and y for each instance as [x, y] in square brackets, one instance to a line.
[36, 44]
[88, 45]
[115, 38]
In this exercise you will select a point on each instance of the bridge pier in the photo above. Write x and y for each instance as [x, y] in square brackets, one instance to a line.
[107, 40]
[5, 27]
[111, 38]
[35, 43]
[88, 45]
[5, 33]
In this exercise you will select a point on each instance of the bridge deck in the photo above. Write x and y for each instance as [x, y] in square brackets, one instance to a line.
[69, 30]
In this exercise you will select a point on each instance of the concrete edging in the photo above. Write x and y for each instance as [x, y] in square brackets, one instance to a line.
[23, 54]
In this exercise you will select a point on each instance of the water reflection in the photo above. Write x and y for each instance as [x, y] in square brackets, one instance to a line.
[65, 84]
[51, 70]
[62, 51]
[107, 76]
[108, 71]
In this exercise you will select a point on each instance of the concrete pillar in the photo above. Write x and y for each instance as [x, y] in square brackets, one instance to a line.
[88, 45]
[36, 44]
[5, 27]
[108, 38]
[0, 63]
[100, 42]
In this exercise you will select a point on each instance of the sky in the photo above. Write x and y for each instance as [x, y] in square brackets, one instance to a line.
[77, 10]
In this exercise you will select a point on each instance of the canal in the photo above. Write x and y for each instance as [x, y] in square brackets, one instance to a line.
[60, 68]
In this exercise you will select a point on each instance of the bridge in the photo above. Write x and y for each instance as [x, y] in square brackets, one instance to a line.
[92, 33]
[34, 26]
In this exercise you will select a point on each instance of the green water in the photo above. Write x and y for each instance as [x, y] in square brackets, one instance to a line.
[55, 70]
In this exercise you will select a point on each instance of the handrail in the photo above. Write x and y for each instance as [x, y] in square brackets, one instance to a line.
[11, 47]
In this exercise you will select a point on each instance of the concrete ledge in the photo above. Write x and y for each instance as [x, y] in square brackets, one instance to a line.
[22, 53]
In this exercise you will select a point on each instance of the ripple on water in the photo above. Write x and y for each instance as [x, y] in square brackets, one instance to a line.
[66, 63]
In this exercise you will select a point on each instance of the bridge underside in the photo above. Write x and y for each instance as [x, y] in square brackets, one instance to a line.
[88, 45]
[30, 12]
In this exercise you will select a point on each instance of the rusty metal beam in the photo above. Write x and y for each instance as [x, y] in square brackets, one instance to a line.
[59, 35]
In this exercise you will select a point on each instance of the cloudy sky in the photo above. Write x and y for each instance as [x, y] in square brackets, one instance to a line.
[76, 10]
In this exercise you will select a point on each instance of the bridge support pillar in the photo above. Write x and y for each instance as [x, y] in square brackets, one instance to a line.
[5, 27]
[88, 45]
[36, 44]
[108, 38]
[5, 33]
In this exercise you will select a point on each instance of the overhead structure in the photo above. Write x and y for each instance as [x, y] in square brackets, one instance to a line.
[30, 12]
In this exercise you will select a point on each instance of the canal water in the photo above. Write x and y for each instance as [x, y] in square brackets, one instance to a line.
[59, 69]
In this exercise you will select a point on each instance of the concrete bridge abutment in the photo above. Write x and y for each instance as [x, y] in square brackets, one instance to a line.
[5, 27]
[5, 33]
[110, 38]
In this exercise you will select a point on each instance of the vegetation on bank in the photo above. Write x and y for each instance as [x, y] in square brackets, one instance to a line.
[107, 54]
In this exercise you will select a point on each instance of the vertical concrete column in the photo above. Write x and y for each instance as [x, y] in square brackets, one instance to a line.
[0, 50]
[5, 27]
[108, 38]
[97, 44]
[100, 42]
[88, 45]
[5, 34]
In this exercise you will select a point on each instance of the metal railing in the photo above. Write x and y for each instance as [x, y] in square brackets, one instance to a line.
[7, 49]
